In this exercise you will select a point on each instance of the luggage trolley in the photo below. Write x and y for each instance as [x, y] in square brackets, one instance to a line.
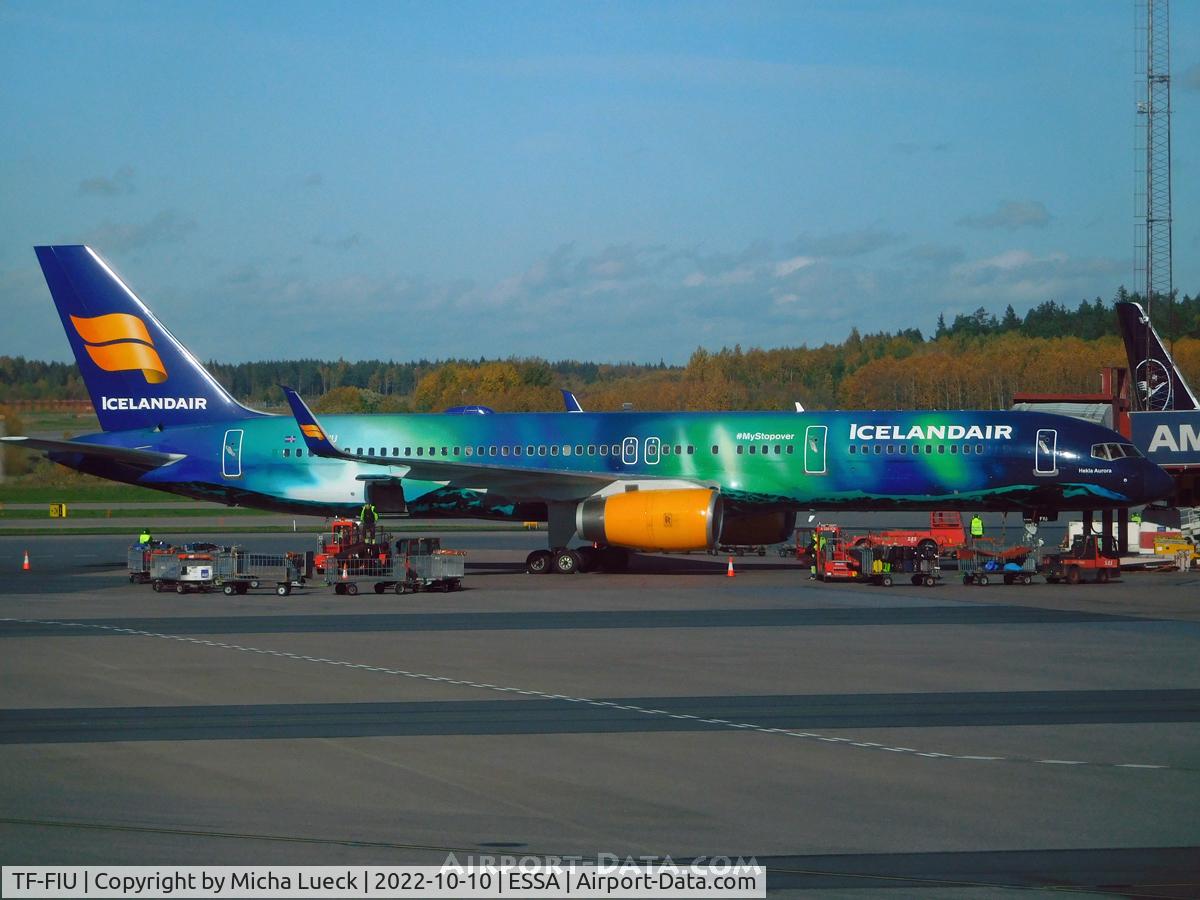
[1014, 564]
[238, 571]
[183, 572]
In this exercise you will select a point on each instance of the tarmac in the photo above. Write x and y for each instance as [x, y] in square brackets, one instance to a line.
[945, 741]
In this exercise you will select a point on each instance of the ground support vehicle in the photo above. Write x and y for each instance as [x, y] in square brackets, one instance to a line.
[944, 534]
[884, 564]
[740, 550]
[418, 564]
[183, 572]
[840, 557]
[238, 571]
[138, 557]
[983, 564]
[344, 542]
[1085, 558]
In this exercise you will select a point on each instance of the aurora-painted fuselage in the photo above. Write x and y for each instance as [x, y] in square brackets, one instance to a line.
[169, 424]
[822, 460]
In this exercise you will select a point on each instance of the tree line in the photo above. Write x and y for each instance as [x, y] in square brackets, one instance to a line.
[977, 360]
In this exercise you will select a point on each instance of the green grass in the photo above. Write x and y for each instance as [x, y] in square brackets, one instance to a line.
[239, 529]
[182, 511]
[103, 492]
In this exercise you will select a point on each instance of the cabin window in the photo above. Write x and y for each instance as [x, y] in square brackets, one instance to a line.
[591, 449]
[554, 449]
[878, 449]
[420, 451]
[299, 451]
[579, 449]
[904, 449]
[853, 448]
[865, 449]
[604, 449]
[433, 451]
[541, 449]
[778, 449]
[942, 449]
[691, 449]
[287, 451]
[408, 451]
[470, 451]
[395, 451]
[978, 449]
[445, 451]
[517, 450]
[666, 449]
[566, 449]
[529, 450]
[504, 450]
[455, 451]
[953, 449]
[715, 449]
[790, 449]
[359, 452]
[370, 451]
[479, 451]
[891, 449]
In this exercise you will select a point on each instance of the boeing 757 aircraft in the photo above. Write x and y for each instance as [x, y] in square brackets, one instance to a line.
[620, 480]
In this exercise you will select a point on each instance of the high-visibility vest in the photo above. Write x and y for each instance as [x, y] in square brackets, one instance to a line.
[976, 526]
[144, 537]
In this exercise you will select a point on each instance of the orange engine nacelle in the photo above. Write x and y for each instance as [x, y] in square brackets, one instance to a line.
[759, 528]
[652, 520]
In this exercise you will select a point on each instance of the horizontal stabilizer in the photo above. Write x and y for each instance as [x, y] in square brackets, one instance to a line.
[145, 459]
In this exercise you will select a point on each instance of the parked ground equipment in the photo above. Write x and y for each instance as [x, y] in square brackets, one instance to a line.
[415, 564]
[944, 534]
[344, 541]
[238, 570]
[1085, 560]
[137, 559]
[843, 557]
[183, 572]
[985, 562]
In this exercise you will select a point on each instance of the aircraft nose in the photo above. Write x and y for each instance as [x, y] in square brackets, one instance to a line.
[1158, 484]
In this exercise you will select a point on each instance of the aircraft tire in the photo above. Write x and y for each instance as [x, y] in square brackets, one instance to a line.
[588, 558]
[538, 562]
[566, 562]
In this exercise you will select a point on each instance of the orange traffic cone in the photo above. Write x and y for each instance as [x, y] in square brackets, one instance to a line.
[729, 573]
[345, 574]
[25, 565]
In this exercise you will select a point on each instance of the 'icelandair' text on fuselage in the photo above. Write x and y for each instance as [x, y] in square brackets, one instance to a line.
[114, 403]
[930, 432]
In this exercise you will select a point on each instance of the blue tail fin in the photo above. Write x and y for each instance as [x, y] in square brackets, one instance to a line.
[137, 373]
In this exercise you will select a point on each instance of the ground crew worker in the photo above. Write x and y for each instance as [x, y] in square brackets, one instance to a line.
[1135, 518]
[368, 517]
[813, 551]
[976, 528]
[144, 537]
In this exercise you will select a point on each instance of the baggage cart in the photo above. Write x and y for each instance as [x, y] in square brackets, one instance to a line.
[985, 563]
[183, 572]
[416, 564]
[238, 571]
[137, 559]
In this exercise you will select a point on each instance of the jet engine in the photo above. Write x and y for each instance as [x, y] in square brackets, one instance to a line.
[688, 519]
[758, 528]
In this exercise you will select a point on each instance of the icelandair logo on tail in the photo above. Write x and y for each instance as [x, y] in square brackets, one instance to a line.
[119, 342]
[312, 431]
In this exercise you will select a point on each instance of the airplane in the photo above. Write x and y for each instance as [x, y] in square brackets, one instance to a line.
[620, 481]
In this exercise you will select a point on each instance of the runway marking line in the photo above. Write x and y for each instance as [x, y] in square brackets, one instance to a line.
[720, 723]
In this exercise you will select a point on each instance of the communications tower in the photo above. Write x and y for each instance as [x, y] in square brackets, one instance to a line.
[1152, 257]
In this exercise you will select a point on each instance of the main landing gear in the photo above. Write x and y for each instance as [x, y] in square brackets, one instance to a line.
[565, 561]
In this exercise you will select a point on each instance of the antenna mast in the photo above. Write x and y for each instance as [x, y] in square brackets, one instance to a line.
[1152, 257]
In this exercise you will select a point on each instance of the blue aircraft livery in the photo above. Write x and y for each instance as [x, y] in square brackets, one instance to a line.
[643, 480]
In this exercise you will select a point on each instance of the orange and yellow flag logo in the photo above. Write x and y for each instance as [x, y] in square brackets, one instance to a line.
[313, 432]
[119, 342]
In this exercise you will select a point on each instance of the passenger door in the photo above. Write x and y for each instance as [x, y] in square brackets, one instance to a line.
[815, 437]
[231, 454]
[1045, 455]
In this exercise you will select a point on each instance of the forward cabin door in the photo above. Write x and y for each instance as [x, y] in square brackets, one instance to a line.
[1045, 454]
[815, 437]
[231, 454]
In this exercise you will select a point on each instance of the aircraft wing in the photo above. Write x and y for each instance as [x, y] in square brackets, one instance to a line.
[545, 484]
[143, 459]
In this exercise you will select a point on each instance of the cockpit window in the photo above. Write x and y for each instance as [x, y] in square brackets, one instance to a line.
[1115, 451]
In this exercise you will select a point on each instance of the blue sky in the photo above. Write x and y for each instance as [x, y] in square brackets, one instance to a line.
[616, 181]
